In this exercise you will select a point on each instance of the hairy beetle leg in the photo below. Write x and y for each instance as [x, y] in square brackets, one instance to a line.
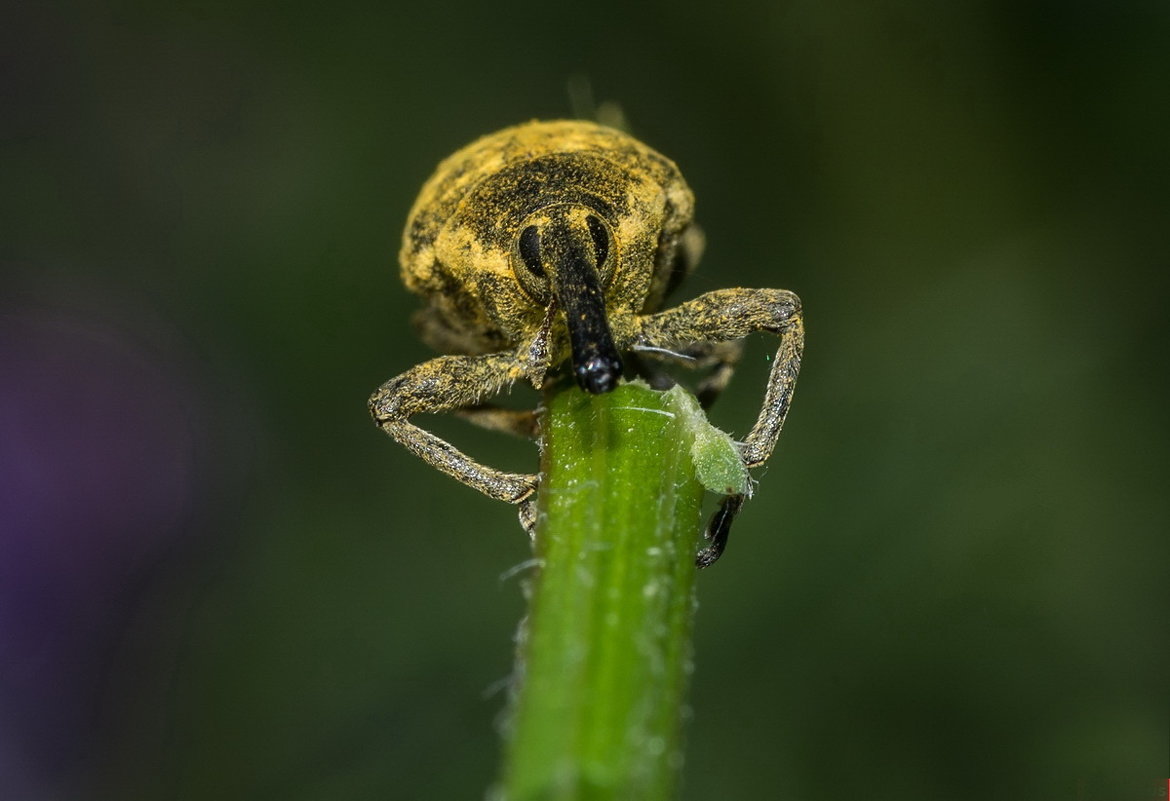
[727, 315]
[718, 530]
[517, 422]
[445, 384]
[528, 517]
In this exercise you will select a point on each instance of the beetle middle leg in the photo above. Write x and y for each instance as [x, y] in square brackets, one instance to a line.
[719, 358]
[727, 315]
[523, 423]
[445, 384]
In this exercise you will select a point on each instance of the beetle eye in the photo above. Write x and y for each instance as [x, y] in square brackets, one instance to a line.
[529, 271]
[530, 251]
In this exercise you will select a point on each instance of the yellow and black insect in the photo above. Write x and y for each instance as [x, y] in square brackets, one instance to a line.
[554, 244]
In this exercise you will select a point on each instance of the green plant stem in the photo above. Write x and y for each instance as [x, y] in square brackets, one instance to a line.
[605, 653]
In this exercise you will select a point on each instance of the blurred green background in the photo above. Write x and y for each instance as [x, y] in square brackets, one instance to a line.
[220, 581]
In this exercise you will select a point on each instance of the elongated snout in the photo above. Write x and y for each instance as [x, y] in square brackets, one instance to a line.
[569, 252]
[596, 362]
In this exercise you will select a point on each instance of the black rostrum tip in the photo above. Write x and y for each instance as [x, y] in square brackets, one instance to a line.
[599, 374]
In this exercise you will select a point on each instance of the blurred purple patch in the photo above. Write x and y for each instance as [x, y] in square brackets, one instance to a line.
[97, 466]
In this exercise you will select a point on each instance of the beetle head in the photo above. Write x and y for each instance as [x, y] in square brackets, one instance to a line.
[542, 222]
[564, 255]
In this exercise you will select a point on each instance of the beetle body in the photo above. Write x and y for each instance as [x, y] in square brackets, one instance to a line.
[556, 243]
[459, 246]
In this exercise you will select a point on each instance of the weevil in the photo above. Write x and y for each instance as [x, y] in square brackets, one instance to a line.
[550, 247]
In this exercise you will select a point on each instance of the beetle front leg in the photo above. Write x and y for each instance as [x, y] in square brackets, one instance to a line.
[731, 314]
[445, 384]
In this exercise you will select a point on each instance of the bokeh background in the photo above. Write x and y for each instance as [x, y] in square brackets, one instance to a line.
[218, 580]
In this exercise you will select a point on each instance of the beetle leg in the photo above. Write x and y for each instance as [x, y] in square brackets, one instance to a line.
[726, 315]
[528, 517]
[718, 357]
[717, 531]
[724, 357]
[518, 422]
[441, 385]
